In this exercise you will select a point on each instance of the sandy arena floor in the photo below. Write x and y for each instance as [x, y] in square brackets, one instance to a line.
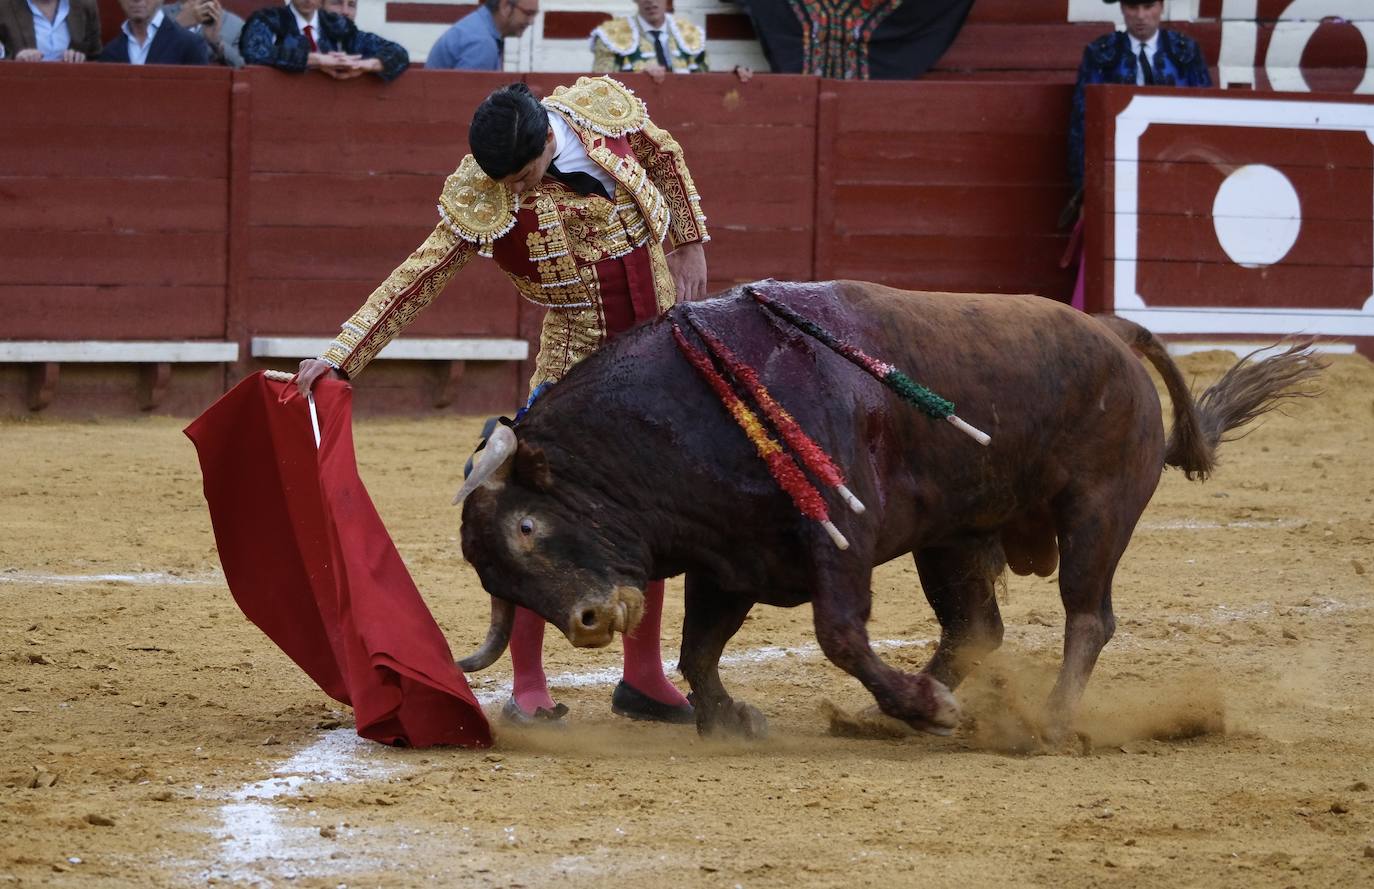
[153, 737]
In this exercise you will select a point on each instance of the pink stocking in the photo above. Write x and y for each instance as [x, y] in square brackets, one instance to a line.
[527, 658]
[643, 657]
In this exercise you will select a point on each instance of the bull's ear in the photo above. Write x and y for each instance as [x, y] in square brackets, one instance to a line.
[532, 467]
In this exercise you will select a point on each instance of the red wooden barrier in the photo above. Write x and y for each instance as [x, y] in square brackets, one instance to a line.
[165, 203]
[949, 186]
[1233, 213]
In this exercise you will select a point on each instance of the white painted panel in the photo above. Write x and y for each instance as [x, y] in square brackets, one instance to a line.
[97, 351]
[414, 349]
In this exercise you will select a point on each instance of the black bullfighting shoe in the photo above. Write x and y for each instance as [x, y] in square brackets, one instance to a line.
[632, 703]
[542, 717]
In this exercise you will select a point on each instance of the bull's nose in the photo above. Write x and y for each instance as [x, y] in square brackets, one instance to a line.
[592, 626]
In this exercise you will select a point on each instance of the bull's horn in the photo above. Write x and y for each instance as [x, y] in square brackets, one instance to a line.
[498, 637]
[500, 445]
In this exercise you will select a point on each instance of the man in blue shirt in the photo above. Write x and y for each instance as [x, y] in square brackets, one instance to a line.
[476, 41]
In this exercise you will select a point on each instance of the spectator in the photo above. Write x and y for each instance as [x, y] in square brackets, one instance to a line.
[346, 8]
[217, 26]
[150, 37]
[1170, 59]
[1144, 54]
[298, 37]
[652, 41]
[571, 198]
[49, 30]
[477, 41]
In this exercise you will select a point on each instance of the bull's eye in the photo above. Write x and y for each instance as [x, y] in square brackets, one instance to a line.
[527, 526]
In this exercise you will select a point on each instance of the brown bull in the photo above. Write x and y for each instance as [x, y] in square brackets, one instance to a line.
[630, 469]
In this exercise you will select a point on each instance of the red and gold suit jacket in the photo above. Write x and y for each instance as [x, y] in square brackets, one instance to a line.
[549, 240]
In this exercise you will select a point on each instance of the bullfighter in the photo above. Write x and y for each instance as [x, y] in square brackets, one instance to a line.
[592, 213]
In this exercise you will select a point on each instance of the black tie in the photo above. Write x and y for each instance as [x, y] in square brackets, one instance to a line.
[582, 183]
[1145, 67]
[658, 50]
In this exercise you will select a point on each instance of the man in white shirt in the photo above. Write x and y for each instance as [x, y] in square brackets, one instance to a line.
[149, 37]
[49, 30]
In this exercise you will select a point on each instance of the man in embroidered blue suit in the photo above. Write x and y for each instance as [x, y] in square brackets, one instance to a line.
[1170, 59]
[299, 37]
[590, 210]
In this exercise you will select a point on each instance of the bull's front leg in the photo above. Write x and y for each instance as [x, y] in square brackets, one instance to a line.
[711, 618]
[841, 607]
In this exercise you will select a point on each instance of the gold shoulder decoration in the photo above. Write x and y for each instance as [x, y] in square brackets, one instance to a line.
[602, 105]
[690, 37]
[619, 35]
[476, 208]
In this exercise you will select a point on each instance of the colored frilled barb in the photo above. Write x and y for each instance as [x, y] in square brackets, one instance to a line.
[781, 464]
[913, 392]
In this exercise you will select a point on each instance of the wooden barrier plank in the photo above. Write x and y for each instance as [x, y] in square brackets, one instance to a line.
[196, 99]
[479, 301]
[948, 158]
[421, 149]
[1320, 242]
[330, 199]
[164, 149]
[160, 259]
[358, 252]
[748, 255]
[1285, 284]
[81, 204]
[948, 209]
[994, 46]
[865, 107]
[1019, 12]
[129, 311]
[1190, 189]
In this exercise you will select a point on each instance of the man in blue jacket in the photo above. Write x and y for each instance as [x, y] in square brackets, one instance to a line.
[299, 36]
[1143, 54]
[148, 37]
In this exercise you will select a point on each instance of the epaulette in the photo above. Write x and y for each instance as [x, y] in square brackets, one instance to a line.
[619, 35]
[690, 37]
[1182, 47]
[1106, 49]
[475, 207]
[602, 105]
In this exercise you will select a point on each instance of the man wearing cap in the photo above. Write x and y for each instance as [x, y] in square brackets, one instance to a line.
[1144, 54]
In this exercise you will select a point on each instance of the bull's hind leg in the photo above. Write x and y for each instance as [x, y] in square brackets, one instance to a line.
[958, 583]
[711, 618]
[841, 605]
[1093, 535]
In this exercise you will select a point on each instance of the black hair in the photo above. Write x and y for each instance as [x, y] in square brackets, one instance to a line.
[492, 5]
[508, 130]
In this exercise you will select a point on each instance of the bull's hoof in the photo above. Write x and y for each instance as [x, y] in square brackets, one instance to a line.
[734, 718]
[926, 705]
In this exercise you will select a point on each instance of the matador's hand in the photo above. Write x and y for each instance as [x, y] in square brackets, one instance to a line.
[688, 266]
[312, 369]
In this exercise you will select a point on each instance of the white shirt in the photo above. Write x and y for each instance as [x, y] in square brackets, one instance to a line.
[138, 53]
[1150, 46]
[52, 38]
[570, 156]
[301, 22]
[662, 30]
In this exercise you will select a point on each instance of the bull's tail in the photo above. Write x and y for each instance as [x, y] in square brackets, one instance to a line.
[1248, 390]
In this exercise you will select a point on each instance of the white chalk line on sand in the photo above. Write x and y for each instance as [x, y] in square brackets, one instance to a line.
[145, 578]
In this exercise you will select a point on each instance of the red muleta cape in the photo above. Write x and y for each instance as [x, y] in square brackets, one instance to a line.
[308, 560]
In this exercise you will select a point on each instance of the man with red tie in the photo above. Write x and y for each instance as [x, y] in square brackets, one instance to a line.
[299, 37]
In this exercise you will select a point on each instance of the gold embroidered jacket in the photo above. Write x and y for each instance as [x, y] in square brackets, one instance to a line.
[550, 240]
[623, 44]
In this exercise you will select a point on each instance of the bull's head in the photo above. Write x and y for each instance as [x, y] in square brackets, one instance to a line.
[543, 545]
